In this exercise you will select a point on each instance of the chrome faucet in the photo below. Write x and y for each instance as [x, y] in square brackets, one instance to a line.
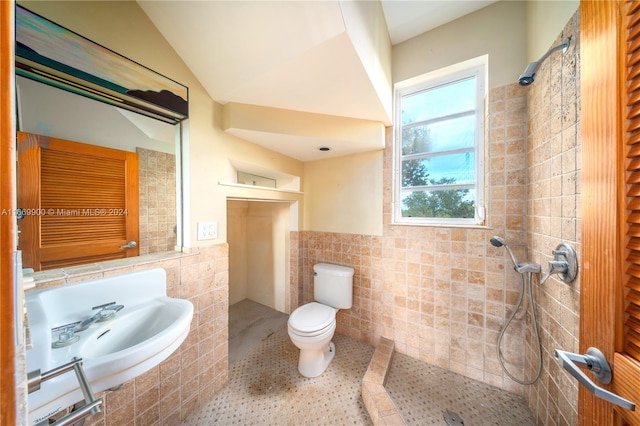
[104, 314]
[68, 334]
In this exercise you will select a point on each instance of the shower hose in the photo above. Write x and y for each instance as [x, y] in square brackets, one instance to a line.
[525, 286]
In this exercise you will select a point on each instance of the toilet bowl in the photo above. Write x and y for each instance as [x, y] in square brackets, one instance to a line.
[311, 328]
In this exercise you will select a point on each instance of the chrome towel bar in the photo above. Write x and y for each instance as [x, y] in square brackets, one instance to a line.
[92, 405]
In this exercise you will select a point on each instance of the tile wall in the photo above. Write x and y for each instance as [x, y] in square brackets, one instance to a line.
[553, 206]
[157, 183]
[175, 388]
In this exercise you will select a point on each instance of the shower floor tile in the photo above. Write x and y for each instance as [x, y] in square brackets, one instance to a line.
[423, 393]
[265, 387]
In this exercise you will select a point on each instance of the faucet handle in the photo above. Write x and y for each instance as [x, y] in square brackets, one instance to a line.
[565, 264]
[66, 337]
[555, 267]
[107, 313]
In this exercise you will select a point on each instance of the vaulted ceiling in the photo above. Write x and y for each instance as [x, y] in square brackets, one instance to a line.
[315, 57]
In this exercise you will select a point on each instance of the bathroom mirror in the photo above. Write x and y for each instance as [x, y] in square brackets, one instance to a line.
[52, 112]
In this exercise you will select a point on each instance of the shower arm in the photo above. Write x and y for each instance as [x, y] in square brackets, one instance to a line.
[565, 45]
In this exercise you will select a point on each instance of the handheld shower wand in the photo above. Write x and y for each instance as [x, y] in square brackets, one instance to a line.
[529, 74]
[499, 242]
[520, 267]
[525, 269]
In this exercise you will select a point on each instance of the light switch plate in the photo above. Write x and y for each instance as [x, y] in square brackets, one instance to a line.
[207, 230]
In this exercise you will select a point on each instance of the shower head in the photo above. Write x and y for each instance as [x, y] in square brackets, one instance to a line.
[529, 74]
[499, 242]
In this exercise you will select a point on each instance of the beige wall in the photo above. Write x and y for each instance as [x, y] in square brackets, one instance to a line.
[259, 253]
[544, 20]
[237, 239]
[344, 194]
[498, 30]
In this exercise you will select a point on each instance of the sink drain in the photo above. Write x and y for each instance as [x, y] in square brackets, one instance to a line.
[453, 419]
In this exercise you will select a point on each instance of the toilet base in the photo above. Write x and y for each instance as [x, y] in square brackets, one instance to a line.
[312, 363]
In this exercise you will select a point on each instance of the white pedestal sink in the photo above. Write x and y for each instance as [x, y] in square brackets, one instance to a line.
[145, 332]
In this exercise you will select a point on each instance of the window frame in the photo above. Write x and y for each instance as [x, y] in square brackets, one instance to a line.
[473, 68]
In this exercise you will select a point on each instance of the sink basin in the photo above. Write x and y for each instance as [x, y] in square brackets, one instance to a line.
[149, 328]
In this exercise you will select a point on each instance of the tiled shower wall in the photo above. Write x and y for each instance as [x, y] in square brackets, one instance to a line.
[441, 294]
[178, 386]
[553, 206]
[157, 198]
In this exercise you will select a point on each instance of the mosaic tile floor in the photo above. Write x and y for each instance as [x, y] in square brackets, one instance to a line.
[423, 393]
[265, 388]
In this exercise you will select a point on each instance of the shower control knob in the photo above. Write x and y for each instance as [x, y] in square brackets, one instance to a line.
[564, 264]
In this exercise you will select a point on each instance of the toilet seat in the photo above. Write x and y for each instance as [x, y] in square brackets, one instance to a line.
[312, 319]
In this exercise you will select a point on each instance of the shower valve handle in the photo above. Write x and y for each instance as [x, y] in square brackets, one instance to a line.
[564, 263]
[595, 361]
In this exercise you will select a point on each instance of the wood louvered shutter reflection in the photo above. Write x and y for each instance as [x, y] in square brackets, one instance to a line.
[81, 202]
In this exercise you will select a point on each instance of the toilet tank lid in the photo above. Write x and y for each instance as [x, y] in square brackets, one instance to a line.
[345, 271]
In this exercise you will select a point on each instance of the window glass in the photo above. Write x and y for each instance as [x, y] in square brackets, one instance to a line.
[440, 170]
[439, 101]
[439, 158]
[447, 134]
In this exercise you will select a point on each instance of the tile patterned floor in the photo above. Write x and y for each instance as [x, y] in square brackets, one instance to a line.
[265, 388]
[423, 393]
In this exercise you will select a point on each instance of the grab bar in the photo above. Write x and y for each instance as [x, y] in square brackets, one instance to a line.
[35, 378]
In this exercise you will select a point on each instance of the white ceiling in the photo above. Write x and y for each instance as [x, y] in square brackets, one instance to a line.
[409, 18]
[293, 55]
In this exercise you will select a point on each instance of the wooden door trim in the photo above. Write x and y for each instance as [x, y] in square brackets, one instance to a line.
[7, 221]
[600, 24]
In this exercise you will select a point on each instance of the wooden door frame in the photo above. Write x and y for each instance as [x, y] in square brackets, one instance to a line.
[7, 221]
[602, 260]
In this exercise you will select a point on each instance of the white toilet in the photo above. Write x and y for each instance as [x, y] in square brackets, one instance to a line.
[311, 326]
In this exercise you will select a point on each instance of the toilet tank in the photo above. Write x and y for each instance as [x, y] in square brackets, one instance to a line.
[333, 285]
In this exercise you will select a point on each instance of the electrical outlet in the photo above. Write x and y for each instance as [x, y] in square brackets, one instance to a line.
[207, 230]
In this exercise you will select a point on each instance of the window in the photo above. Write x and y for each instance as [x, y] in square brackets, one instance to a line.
[439, 140]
